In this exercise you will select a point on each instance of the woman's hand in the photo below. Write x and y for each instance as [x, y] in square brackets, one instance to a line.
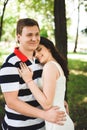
[25, 72]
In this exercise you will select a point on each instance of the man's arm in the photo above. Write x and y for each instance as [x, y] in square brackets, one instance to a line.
[51, 115]
[66, 107]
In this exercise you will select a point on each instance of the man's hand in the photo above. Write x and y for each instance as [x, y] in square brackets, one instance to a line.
[66, 107]
[54, 115]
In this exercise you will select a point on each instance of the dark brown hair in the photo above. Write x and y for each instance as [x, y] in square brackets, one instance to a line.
[25, 22]
[56, 55]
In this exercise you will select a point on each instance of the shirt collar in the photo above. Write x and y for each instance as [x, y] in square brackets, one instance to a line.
[20, 55]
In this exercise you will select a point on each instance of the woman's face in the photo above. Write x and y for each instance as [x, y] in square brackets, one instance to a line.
[42, 54]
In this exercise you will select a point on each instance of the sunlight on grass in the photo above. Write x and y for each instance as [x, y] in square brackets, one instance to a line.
[85, 100]
[77, 56]
[1, 97]
[76, 72]
[77, 65]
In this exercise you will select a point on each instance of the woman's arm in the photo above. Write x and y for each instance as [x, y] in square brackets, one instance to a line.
[50, 74]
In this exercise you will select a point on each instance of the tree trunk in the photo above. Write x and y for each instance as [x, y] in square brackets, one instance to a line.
[76, 40]
[2, 16]
[60, 26]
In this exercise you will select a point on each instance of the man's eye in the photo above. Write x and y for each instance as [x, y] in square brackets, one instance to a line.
[37, 34]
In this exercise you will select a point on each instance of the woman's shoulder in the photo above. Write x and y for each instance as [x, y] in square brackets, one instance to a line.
[53, 66]
[50, 66]
[50, 70]
[49, 63]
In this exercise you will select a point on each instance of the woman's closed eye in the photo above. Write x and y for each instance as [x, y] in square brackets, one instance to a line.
[36, 53]
[38, 49]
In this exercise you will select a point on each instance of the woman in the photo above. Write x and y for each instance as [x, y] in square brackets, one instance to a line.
[52, 86]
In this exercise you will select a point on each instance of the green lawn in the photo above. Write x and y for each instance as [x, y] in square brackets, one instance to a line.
[76, 89]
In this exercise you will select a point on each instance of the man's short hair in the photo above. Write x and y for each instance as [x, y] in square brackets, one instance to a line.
[25, 22]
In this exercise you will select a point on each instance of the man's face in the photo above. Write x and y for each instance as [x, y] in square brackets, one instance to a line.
[30, 38]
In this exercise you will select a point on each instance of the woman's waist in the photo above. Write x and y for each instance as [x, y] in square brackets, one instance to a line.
[60, 105]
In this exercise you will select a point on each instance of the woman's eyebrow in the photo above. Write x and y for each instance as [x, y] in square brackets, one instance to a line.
[38, 48]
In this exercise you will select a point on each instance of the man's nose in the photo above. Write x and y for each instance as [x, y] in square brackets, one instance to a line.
[34, 38]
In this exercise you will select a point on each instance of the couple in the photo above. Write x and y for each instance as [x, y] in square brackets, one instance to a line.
[23, 105]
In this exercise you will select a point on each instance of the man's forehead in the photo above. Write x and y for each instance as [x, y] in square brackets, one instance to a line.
[31, 28]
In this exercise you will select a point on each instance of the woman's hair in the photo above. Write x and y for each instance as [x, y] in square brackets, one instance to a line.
[56, 55]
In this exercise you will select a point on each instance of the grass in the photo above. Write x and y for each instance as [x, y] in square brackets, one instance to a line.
[76, 89]
[2, 102]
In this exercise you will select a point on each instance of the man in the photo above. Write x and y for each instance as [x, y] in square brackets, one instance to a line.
[22, 111]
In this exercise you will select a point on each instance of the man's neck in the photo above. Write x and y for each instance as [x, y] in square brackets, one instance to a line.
[28, 54]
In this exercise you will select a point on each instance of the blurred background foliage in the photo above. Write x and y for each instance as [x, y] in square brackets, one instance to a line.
[42, 11]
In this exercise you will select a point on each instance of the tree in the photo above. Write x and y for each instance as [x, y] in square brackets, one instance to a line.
[40, 10]
[2, 16]
[77, 32]
[60, 27]
[79, 2]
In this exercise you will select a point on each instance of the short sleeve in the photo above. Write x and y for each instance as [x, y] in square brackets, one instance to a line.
[9, 78]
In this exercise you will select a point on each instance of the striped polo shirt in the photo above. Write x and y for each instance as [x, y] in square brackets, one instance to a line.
[11, 81]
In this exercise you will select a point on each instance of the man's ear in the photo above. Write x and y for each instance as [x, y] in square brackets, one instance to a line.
[18, 38]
